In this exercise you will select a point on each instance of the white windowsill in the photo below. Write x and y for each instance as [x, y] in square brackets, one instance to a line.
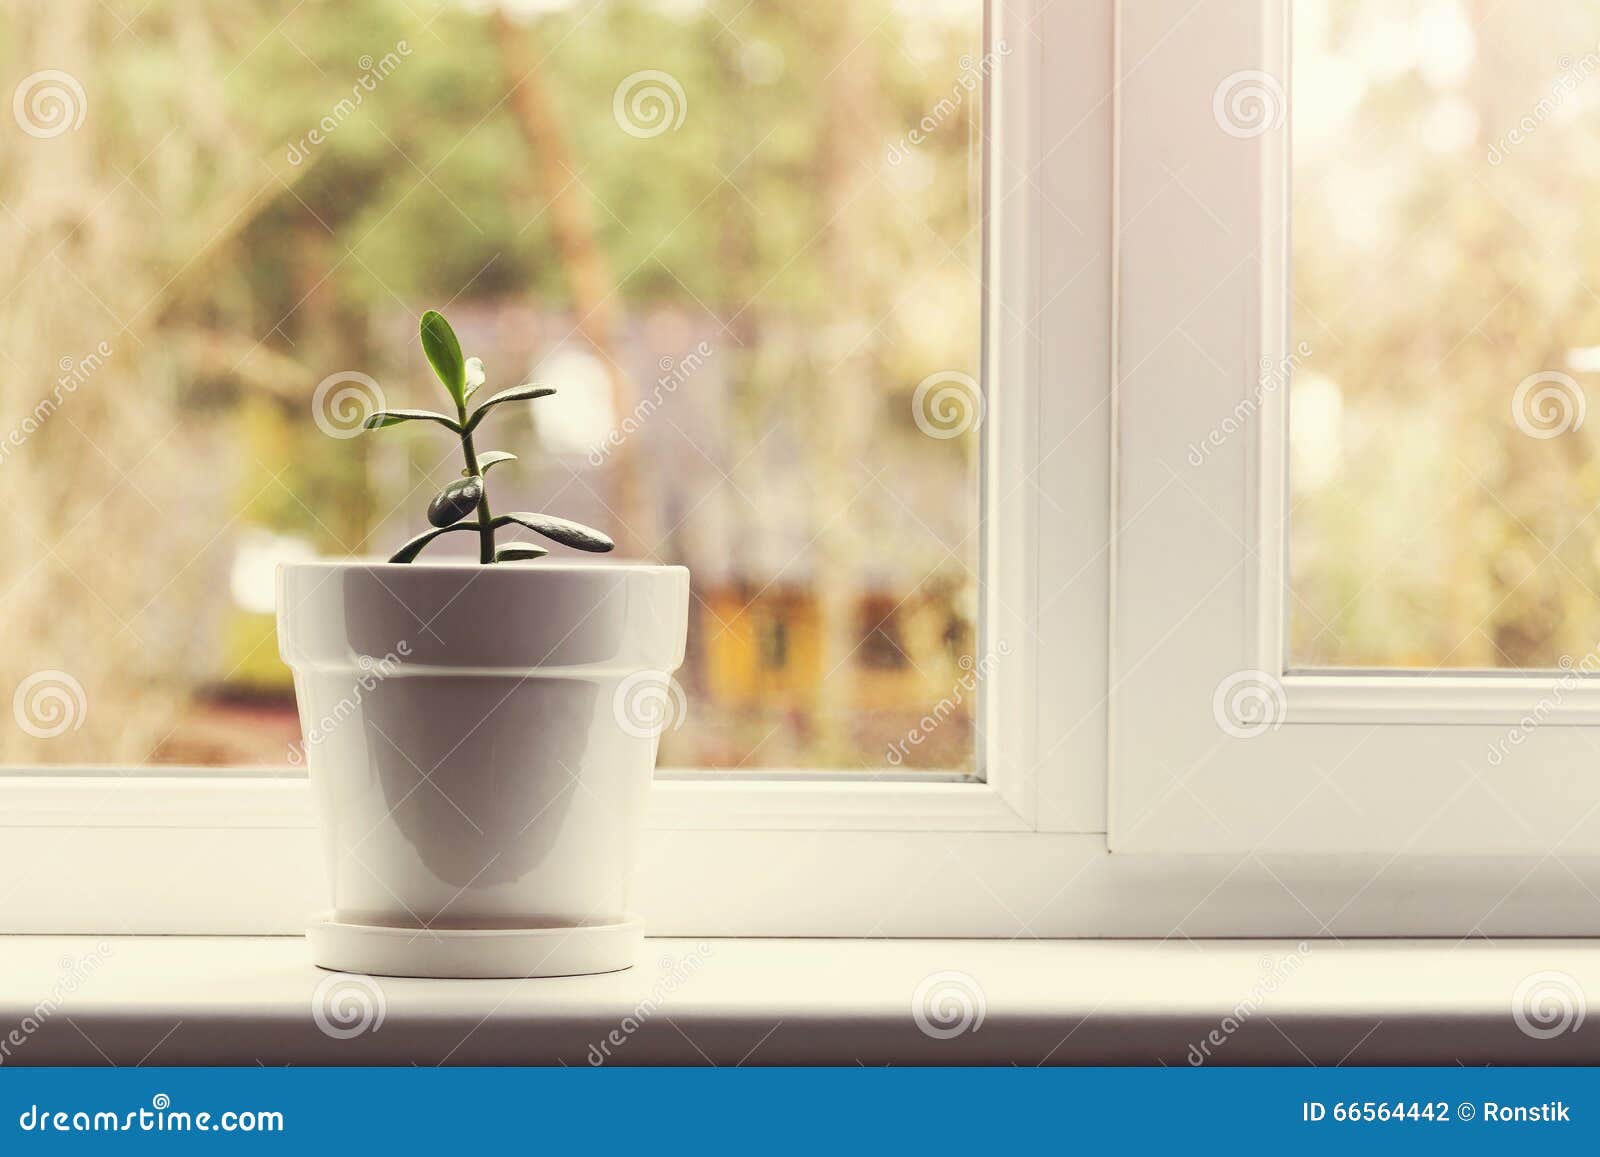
[247, 1000]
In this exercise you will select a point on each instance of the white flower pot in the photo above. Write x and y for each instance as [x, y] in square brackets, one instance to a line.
[480, 741]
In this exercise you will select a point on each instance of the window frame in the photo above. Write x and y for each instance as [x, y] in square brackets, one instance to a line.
[176, 813]
[1345, 762]
[1072, 249]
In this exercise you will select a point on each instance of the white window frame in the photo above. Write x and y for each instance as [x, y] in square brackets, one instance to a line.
[1104, 161]
[1341, 763]
[699, 824]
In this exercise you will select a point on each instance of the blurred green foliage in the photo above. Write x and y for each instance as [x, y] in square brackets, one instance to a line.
[236, 260]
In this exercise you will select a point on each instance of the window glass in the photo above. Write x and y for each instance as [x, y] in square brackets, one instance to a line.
[1446, 334]
[742, 240]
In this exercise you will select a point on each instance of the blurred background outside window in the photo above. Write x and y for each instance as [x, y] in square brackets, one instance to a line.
[741, 238]
[1446, 325]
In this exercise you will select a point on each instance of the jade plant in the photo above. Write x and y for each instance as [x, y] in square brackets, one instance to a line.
[448, 511]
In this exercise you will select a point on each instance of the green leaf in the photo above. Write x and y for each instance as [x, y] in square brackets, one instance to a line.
[513, 551]
[573, 534]
[456, 501]
[522, 393]
[475, 375]
[444, 355]
[385, 418]
[410, 550]
[490, 458]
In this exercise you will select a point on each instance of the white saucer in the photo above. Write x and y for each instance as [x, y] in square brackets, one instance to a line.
[475, 953]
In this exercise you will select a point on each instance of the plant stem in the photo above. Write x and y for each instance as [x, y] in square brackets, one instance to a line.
[485, 526]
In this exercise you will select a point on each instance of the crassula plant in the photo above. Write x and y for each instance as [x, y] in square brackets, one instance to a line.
[448, 511]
